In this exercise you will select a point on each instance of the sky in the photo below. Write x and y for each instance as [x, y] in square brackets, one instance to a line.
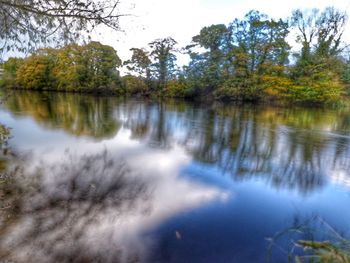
[183, 19]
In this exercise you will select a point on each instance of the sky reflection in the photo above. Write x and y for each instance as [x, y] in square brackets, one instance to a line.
[153, 182]
[95, 197]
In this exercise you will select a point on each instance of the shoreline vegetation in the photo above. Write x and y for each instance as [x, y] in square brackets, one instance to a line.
[248, 60]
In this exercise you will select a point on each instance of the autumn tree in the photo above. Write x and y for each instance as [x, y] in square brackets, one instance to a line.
[91, 67]
[36, 71]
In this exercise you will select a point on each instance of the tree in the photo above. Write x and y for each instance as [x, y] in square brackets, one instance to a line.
[70, 71]
[319, 32]
[10, 68]
[35, 73]
[101, 62]
[164, 57]
[27, 24]
[319, 68]
[91, 67]
[259, 44]
[140, 63]
[214, 40]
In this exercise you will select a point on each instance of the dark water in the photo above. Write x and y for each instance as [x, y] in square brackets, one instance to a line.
[94, 179]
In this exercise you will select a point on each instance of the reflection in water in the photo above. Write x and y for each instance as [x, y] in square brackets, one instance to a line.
[77, 114]
[4, 152]
[156, 161]
[90, 209]
[294, 149]
[289, 148]
[56, 213]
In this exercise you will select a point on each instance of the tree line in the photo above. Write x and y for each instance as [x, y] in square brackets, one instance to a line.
[249, 59]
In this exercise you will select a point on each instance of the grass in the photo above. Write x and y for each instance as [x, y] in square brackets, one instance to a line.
[313, 240]
[325, 251]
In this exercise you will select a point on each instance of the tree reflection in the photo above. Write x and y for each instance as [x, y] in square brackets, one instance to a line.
[4, 137]
[80, 115]
[69, 211]
[290, 148]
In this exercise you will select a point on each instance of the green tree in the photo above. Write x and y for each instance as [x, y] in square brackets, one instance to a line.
[10, 68]
[319, 33]
[140, 63]
[258, 50]
[70, 71]
[318, 71]
[211, 62]
[101, 62]
[164, 59]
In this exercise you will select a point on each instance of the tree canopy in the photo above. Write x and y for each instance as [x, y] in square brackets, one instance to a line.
[91, 68]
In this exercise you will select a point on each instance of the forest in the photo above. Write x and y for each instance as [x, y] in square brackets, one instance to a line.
[250, 59]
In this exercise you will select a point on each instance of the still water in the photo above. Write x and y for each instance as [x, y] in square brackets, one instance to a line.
[97, 179]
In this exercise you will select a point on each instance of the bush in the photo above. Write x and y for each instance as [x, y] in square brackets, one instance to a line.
[134, 85]
[177, 89]
[240, 90]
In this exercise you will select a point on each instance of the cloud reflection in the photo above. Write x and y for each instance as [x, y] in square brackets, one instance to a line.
[95, 207]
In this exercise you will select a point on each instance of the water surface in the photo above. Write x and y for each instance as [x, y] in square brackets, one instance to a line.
[97, 179]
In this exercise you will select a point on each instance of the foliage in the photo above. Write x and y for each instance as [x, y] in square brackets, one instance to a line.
[10, 68]
[90, 68]
[139, 62]
[27, 24]
[35, 73]
[135, 85]
[333, 247]
[164, 59]
[211, 62]
[319, 69]
[325, 251]
[238, 57]
[177, 89]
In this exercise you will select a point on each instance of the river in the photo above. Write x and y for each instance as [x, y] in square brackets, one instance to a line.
[106, 179]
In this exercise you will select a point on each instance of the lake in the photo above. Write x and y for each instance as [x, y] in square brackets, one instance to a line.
[105, 179]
